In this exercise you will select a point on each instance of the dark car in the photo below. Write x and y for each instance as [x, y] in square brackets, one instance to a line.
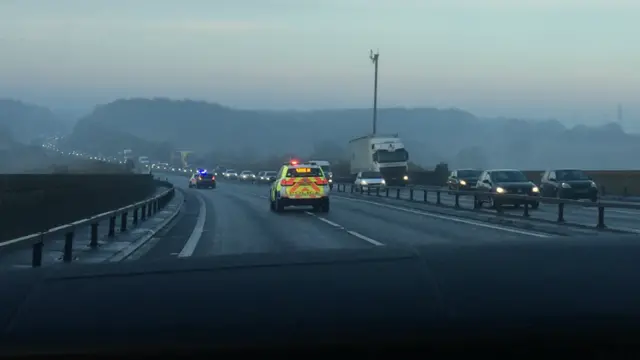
[270, 176]
[202, 180]
[493, 183]
[568, 184]
[266, 177]
[463, 179]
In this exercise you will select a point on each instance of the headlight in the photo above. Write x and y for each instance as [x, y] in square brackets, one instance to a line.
[565, 186]
[330, 180]
[383, 182]
[535, 189]
[362, 182]
[593, 185]
[462, 182]
[499, 190]
[405, 177]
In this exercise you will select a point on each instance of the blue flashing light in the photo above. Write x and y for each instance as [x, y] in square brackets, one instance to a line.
[202, 171]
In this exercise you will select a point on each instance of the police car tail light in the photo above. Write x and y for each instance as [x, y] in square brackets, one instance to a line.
[286, 182]
[321, 182]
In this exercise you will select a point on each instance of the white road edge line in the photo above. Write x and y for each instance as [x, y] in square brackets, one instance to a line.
[125, 253]
[196, 234]
[350, 232]
[450, 218]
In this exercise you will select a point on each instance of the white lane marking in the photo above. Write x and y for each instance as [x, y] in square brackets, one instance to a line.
[450, 218]
[196, 234]
[619, 211]
[350, 232]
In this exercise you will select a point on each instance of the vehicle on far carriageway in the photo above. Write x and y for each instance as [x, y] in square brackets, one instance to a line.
[494, 183]
[300, 184]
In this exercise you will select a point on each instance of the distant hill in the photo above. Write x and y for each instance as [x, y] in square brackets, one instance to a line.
[96, 139]
[26, 122]
[432, 135]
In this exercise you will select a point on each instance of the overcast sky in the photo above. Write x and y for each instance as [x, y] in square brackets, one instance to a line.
[513, 57]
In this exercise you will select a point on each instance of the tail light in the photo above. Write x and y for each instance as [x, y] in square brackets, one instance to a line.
[287, 182]
[321, 182]
[213, 177]
[199, 177]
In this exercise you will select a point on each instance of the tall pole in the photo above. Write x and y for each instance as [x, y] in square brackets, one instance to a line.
[374, 59]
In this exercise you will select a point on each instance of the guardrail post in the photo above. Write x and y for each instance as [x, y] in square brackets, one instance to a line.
[94, 235]
[424, 193]
[361, 189]
[438, 201]
[149, 206]
[36, 253]
[143, 212]
[123, 222]
[457, 196]
[411, 194]
[368, 190]
[387, 192]
[377, 191]
[561, 212]
[112, 226]
[601, 217]
[526, 210]
[135, 216]
[397, 193]
[67, 256]
[155, 207]
[351, 187]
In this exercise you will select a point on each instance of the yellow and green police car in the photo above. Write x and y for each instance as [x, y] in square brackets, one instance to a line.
[300, 184]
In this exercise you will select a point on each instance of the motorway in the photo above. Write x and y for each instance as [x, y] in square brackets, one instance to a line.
[235, 218]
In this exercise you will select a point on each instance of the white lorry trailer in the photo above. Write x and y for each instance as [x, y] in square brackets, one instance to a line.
[380, 153]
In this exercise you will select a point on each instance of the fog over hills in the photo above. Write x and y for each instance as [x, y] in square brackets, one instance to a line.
[432, 135]
[156, 126]
[27, 121]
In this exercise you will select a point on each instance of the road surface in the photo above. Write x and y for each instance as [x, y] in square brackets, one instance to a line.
[235, 218]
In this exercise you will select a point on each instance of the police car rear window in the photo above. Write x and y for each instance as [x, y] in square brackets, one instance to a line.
[304, 172]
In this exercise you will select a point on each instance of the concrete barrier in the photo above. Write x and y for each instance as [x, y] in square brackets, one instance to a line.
[31, 203]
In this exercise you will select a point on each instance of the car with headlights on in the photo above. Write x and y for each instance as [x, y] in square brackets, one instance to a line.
[247, 175]
[369, 180]
[492, 184]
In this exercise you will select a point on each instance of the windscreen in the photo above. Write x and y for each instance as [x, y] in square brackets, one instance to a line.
[304, 172]
[371, 175]
[385, 156]
[508, 176]
[231, 171]
[469, 173]
[271, 173]
[568, 175]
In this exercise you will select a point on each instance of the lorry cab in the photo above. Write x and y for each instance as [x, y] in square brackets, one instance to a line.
[381, 153]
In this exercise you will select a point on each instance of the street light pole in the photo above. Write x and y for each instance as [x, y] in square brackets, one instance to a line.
[374, 59]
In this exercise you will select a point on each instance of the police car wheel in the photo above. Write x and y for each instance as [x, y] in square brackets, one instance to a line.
[279, 206]
[325, 206]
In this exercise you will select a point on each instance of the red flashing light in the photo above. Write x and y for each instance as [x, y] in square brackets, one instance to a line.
[294, 162]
